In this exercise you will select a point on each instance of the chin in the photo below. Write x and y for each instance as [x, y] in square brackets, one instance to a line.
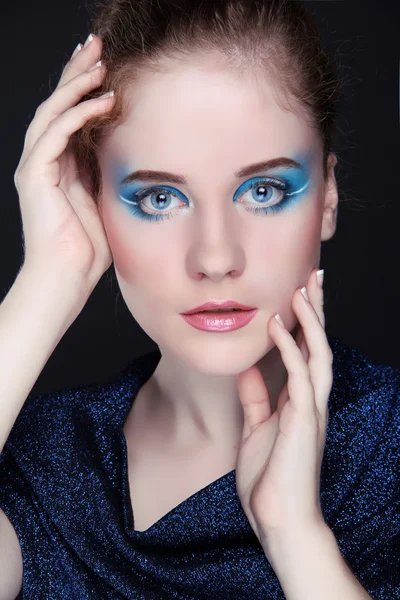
[218, 357]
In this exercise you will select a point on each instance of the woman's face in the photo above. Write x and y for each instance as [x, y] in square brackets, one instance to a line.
[195, 240]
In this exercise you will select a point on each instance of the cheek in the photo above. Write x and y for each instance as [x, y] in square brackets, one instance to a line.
[126, 244]
[123, 256]
[289, 253]
[305, 238]
[288, 249]
[293, 237]
[139, 255]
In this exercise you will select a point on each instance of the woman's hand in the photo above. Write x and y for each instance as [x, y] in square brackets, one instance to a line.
[280, 455]
[63, 231]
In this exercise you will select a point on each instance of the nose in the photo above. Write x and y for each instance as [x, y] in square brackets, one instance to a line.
[216, 258]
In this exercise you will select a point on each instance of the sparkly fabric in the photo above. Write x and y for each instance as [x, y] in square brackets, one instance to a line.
[64, 487]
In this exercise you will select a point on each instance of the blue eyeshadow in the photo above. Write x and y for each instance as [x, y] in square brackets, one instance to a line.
[293, 182]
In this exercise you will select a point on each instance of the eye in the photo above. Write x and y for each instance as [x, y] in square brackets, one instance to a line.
[158, 198]
[268, 194]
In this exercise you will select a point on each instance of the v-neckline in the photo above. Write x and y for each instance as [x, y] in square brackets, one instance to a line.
[142, 369]
[129, 509]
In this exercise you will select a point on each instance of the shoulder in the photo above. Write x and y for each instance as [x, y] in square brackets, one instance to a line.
[360, 476]
[54, 420]
[360, 472]
[364, 403]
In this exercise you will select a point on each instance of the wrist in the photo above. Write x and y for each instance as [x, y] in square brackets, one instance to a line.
[281, 547]
[50, 293]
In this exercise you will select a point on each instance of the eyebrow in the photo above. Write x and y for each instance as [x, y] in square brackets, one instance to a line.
[160, 176]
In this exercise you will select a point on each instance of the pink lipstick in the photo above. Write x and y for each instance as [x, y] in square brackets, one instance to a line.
[204, 318]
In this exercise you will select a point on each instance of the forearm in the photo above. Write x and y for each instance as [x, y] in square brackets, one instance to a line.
[34, 316]
[310, 565]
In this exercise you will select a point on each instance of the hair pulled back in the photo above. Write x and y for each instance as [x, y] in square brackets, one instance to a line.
[277, 39]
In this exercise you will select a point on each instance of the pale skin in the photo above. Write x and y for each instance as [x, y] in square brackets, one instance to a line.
[216, 247]
[204, 123]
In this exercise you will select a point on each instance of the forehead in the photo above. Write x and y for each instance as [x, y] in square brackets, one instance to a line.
[203, 112]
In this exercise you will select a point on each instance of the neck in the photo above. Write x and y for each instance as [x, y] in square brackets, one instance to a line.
[186, 408]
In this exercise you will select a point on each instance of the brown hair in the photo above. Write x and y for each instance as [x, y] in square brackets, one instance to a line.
[279, 39]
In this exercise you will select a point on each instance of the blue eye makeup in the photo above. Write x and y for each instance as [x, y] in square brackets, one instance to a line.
[261, 195]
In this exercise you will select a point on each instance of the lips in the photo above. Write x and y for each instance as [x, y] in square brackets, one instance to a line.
[220, 321]
[219, 307]
[221, 311]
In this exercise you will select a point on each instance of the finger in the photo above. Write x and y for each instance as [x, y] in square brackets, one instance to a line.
[75, 52]
[62, 99]
[302, 344]
[299, 384]
[316, 295]
[55, 139]
[320, 353]
[81, 61]
[282, 398]
[254, 397]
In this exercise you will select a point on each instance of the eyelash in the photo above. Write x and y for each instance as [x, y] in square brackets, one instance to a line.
[267, 182]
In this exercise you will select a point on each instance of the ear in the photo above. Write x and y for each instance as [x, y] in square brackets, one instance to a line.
[329, 218]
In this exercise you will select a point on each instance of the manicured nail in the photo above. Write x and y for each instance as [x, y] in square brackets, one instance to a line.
[107, 95]
[95, 66]
[77, 49]
[320, 277]
[304, 292]
[278, 318]
[89, 39]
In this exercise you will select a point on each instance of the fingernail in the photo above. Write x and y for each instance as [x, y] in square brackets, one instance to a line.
[320, 277]
[95, 66]
[304, 292]
[89, 39]
[278, 318]
[77, 49]
[107, 95]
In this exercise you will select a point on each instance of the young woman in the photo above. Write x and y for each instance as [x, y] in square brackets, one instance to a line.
[250, 457]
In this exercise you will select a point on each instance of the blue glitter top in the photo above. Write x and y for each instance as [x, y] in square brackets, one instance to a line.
[64, 487]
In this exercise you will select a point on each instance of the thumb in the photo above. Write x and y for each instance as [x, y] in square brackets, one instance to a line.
[255, 399]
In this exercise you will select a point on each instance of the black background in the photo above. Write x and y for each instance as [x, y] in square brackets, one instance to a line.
[360, 262]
